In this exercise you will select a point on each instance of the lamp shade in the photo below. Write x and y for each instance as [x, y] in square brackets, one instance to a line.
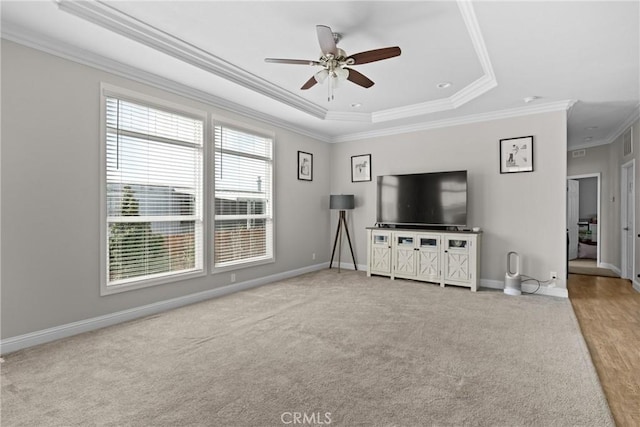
[341, 201]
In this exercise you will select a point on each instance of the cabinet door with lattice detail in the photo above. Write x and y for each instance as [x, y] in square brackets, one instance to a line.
[405, 255]
[429, 257]
[456, 259]
[380, 261]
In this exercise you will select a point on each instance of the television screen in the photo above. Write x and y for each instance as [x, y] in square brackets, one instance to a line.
[434, 199]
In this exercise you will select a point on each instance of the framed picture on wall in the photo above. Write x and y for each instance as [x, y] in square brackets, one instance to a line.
[305, 166]
[516, 154]
[361, 168]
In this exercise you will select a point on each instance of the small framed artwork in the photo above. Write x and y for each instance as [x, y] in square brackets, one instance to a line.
[361, 168]
[305, 166]
[516, 154]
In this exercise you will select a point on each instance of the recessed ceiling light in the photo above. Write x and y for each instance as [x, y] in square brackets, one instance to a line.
[587, 138]
[529, 99]
[592, 128]
[443, 85]
[356, 105]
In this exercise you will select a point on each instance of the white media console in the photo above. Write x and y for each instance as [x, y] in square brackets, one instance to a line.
[444, 257]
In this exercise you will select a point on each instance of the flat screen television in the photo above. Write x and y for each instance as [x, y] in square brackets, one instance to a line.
[423, 199]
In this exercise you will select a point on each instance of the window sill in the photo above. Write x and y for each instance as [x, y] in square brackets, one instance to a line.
[146, 283]
[239, 265]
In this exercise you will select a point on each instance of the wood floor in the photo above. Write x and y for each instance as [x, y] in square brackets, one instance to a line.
[608, 311]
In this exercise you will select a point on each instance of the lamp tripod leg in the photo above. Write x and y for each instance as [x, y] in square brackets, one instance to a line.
[346, 229]
[340, 240]
[335, 243]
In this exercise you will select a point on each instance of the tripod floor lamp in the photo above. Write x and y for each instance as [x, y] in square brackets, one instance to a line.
[342, 202]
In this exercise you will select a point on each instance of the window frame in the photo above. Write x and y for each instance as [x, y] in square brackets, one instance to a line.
[211, 179]
[111, 91]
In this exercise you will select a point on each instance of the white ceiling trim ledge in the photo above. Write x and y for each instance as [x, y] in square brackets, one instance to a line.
[114, 20]
[457, 121]
[348, 116]
[81, 56]
[478, 87]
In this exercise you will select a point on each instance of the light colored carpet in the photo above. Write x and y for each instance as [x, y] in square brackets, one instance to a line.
[366, 351]
[589, 267]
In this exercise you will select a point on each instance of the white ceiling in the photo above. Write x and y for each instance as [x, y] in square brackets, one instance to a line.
[579, 54]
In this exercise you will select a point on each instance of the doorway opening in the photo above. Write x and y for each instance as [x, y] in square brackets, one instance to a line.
[584, 225]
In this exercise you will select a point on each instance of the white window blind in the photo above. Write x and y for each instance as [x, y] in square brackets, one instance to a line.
[154, 164]
[243, 205]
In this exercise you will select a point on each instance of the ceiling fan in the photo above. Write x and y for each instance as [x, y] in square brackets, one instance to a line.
[335, 63]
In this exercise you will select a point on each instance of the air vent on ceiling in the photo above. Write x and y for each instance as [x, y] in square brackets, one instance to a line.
[627, 142]
[579, 153]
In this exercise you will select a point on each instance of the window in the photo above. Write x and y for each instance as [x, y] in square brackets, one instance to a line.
[154, 174]
[243, 204]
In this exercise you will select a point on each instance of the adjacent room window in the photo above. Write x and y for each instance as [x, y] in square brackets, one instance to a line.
[154, 205]
[243, 203]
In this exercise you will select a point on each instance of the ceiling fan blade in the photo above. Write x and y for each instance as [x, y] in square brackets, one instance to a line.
[291, 61]
[375, 55]
[312, 81]
[326, 40]
[359, 78]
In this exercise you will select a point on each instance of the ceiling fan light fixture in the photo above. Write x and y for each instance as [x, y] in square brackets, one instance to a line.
[334, 62]
[321, 75]
[341, 73]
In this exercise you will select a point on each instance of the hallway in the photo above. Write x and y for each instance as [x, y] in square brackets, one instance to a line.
[608, 311]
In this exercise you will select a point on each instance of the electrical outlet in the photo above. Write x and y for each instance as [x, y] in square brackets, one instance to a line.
[554, 275]
[233, 277]
[313, 255]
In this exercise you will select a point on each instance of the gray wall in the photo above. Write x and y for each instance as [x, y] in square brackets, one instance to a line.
[607, 160]
[636, 156]
[523, 212]
[588, 197]
[596, 160]
[50, 196]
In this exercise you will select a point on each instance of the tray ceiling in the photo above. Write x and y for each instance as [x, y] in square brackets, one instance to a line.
[581, 56]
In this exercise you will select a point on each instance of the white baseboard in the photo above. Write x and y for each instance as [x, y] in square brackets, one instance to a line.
[553, 291]
[611, 267]
[349, 266]
[636, 285]
[12, 344]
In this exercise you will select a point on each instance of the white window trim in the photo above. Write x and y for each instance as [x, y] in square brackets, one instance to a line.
[238, 265]
[108, 90]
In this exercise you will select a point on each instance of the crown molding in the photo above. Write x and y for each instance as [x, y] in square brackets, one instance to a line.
[348, 116]
[412, 110]
[110, 18]
[635, 115]
[36, 41]
[480, 86]
[486, 82]
[615, 134]
[456, 121]
[590, 144]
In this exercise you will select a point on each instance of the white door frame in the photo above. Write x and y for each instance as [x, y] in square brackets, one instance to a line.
[599, 228]
[626, 169]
